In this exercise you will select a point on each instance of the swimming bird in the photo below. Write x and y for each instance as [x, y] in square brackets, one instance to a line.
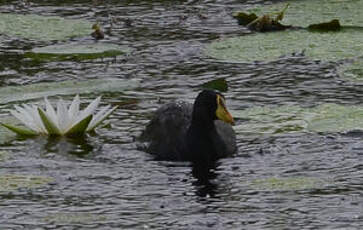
[201, 133]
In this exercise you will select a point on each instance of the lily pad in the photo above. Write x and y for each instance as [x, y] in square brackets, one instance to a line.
[76, 51]
[304, 13]
[287, 183]
[42, 28]
[11, 182]
[269, 46]
[40, 90]
[353, 71]
[292, 119]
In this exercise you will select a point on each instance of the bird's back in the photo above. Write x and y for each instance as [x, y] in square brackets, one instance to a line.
[164, 136]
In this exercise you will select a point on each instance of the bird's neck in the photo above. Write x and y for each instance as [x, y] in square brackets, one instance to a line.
[202, 124]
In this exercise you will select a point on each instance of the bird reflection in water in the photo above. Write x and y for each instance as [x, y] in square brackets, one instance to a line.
[206, 186]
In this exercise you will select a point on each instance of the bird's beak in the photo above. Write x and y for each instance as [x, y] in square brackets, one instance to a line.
[222, 112]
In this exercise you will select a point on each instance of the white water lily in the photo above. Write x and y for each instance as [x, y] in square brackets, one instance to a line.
[63, 121]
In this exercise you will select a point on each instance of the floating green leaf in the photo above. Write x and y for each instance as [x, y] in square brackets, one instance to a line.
[43, 28]
[268, 46]
[290, 119]
[76, 51]
[11, 182]
[40, 90]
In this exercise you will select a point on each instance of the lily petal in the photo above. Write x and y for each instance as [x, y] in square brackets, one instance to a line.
[90, 108]
[100, 117]
[33, 113]
[51, 112]
[63, 118]
[74, 109]
[26, 120]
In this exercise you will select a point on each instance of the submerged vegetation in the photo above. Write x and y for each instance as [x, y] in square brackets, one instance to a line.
[287, 183]
[12, 182]
[74, 217]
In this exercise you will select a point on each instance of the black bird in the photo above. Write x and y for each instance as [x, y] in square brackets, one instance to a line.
[200, 133]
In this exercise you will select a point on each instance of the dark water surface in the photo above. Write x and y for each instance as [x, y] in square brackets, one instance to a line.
[104, 182]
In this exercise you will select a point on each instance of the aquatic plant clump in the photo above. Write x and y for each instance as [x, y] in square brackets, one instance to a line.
[264, 23]
[43, 28]
[64, 121]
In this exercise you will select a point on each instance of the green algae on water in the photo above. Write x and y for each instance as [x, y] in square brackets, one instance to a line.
[43, 28]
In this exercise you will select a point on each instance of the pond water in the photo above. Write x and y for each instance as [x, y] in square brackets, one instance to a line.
[293, 180]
